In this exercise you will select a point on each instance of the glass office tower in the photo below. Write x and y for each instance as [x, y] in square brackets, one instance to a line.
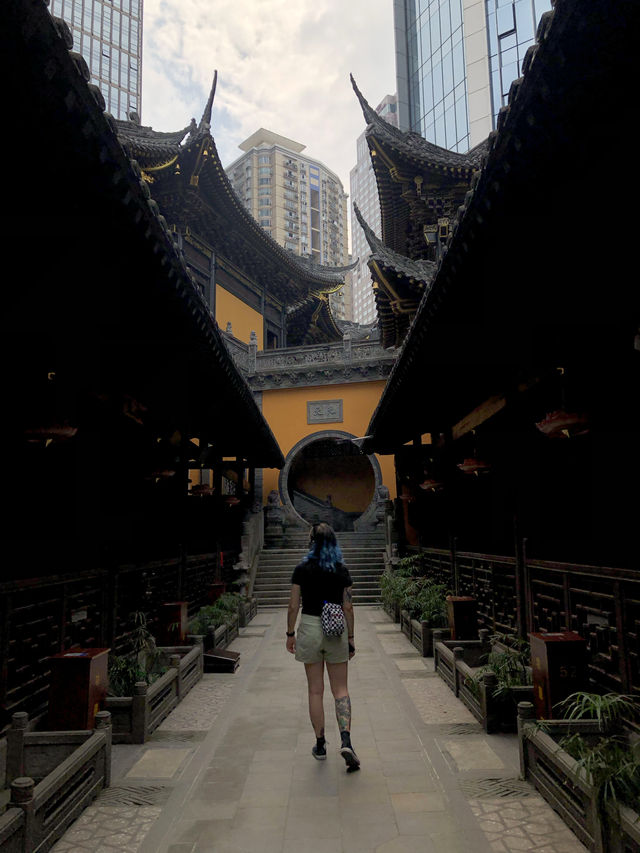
[108, 34]
[455, 61]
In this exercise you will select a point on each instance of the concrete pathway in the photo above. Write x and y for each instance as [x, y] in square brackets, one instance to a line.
[231, 771]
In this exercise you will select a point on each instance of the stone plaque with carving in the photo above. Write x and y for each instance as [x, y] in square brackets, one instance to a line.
[324, 411]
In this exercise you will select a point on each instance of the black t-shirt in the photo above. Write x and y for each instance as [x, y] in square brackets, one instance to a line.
[318, 585]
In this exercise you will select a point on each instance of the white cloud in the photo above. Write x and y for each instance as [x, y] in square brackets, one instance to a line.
[281, 65]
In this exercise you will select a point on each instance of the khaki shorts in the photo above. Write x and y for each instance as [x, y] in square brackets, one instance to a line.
[312, 646]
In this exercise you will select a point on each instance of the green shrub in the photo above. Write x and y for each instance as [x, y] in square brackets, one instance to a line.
[611, 759]
[510, 666]
[213, 615]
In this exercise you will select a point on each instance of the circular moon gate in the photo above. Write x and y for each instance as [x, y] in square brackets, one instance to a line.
[327, 478]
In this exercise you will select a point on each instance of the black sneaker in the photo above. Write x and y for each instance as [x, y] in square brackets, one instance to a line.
[351, 759]
[319, 752]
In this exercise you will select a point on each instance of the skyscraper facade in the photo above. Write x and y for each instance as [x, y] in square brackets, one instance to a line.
[364, 193]
[297, 200]
[108, 34]
[455, 62]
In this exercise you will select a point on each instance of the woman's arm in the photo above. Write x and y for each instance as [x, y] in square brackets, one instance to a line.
[347, 607]
[292, 615]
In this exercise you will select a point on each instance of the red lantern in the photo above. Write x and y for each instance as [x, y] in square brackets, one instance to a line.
[473, 465]
[562, 424]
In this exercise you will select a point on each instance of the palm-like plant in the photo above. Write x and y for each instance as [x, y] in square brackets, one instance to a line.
[610, 759]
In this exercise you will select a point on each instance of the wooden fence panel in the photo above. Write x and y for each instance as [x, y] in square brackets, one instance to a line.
[601, 604]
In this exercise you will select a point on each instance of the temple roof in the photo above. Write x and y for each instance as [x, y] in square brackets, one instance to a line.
[118, 311]
[398, 284]
[412, 146]
[190, 185]
[507, 300]
[419, 183]
[420, 271]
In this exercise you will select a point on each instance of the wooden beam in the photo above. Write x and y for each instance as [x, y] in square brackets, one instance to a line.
[490, 407]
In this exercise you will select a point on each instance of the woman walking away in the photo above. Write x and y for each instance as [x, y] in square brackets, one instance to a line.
[320, 578]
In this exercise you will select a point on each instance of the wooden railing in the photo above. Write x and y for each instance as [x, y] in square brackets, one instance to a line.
[43, 616]
[600, 603]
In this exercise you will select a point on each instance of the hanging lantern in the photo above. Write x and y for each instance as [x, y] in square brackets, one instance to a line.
[431, 483]
[473, 465]
[562, 424]
[49, 434]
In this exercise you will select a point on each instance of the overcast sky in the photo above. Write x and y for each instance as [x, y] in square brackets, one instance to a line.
[282, 64]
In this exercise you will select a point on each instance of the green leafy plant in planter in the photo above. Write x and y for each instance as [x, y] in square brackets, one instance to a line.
[143, 664]
[611, 759]
[216, 614]
[429, 602]
[510, 666]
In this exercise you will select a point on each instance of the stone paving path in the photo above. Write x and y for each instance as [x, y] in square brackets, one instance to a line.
[231, 771]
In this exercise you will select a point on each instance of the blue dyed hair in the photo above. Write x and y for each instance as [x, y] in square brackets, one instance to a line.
[324, 547]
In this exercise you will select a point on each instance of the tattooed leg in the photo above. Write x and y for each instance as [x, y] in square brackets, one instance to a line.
[343, 713]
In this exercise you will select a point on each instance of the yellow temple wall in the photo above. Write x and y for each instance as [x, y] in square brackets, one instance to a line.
[286, 413]
[243, 318]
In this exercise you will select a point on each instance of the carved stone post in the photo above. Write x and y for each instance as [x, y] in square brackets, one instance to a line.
[253, 353]
[103, 724]
[458, 654]
[174, 661]
[15, 745]
[346, 345]
[487, 703]
[139, 712]
[22, 798]
[526, 716]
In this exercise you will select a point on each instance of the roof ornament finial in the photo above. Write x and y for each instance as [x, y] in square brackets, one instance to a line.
[370, 115]
[205, 121]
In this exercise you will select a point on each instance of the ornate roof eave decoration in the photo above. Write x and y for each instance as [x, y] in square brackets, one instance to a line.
[311, 321]
[418, 182]
[202, 175]
[410, 147]
[399, 284]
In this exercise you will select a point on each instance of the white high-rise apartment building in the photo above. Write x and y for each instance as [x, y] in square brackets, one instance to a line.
[108, 34]
[364, 193]
[298, 201]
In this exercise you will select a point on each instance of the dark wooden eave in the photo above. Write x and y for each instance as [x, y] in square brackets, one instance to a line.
[117, 311]
[398, 284]
[513, 299]
[418, 182]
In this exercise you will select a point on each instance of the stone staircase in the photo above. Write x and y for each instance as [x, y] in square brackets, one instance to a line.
[363, 556]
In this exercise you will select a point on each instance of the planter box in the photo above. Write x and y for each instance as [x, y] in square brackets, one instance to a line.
[568, 790]
[458, 663]
[59, 774]
[247, 611]
[136, 717]
[420, 633]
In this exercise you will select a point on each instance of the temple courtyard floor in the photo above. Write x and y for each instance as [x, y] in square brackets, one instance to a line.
[231, 770]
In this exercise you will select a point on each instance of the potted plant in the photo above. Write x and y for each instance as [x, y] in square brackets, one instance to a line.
[587, 766]
[503, 680]
[146, 684]
[427, 612]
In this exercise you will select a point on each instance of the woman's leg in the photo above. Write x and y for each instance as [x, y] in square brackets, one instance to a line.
[338, 681]
[315, 683]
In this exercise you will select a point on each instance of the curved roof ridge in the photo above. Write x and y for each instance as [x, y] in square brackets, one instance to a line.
[412, 142]
[422, 270]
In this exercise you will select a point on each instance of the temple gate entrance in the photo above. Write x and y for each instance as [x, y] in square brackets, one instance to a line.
[327, 478]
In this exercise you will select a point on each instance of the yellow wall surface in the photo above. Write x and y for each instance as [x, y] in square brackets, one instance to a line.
[243, 319]
[286, 414]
